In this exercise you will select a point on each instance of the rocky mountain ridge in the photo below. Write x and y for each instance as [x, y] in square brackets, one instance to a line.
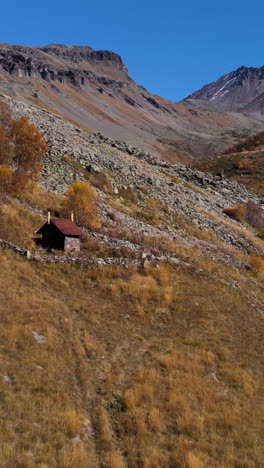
[93, 90]
[57, 62]
[242, 89]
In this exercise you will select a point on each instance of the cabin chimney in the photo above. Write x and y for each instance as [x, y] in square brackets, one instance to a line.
[48, 217]
[72, 216]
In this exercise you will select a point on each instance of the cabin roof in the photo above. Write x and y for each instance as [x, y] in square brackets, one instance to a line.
[66, 226]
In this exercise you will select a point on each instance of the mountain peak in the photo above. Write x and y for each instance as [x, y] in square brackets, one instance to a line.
[239, 87]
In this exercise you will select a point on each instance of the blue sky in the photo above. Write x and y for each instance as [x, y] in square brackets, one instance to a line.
[172, 48]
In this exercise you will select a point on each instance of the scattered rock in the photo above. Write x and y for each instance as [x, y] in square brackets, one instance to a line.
[8, 379]
[126, 316]
[75, 440]
[40, 339]
[214, 377]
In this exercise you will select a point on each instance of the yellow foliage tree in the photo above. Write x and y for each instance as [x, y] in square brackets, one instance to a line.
[29, 149]
[22, 149]
[80, 198]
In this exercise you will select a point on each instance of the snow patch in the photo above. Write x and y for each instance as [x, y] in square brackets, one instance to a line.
[221, 89]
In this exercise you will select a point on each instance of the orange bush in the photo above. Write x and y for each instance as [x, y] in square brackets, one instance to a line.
[80, 199]
[237, 212]
[240, 165]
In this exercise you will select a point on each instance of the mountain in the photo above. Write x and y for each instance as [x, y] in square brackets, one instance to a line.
[242, 89]
[93, 90]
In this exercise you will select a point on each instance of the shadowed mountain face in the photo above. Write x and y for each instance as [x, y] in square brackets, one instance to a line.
[93, 90]
[243, 89]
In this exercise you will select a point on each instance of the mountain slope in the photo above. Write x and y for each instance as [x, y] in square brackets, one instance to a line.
[93, 90]
[243, 162]
[256, 106]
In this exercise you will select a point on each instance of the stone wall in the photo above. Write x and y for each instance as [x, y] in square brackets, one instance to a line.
[15, 248]
[72, 244]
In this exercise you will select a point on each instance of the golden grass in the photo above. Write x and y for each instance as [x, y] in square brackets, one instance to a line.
[38, 198]
[203, 417]
[257, 265]
[160, 409]
[17, 225]
[152, 368]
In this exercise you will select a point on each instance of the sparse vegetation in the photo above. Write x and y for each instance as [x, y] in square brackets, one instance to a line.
[242, 162]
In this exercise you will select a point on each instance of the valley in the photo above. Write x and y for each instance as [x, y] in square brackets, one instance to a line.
[145, 348]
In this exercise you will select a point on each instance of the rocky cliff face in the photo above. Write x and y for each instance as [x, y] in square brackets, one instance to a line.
[59, 63]
[240, 87]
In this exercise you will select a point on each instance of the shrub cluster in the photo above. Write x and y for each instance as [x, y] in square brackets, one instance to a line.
[237, 212]
[249, 144]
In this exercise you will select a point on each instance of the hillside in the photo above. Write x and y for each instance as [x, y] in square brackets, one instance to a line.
[93, 90]
[242, 162]
[146, 348]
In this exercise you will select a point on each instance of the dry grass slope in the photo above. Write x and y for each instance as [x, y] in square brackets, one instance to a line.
[153, 368]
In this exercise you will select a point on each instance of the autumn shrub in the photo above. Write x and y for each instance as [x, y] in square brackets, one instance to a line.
[80, 198]
[239, 165]
[22, 148]
[248, 144]
[237, 212]
[256, 264]
[243, 165]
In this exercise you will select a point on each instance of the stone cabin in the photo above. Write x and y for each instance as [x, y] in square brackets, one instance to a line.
[60, 234]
